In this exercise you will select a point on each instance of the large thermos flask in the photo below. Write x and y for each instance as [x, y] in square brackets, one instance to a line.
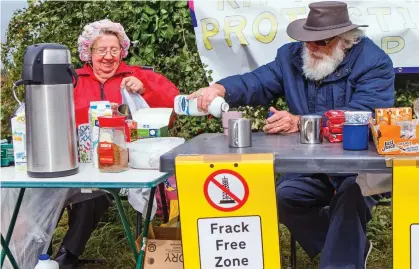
[49, 109]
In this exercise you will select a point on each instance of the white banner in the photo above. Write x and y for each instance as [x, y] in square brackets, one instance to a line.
[237, 36]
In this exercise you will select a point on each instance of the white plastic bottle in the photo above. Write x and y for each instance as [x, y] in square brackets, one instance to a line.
[189, 107]
[45, 263]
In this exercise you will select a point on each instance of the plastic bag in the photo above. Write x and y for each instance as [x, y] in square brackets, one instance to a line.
[371, 184]
[134, 101]
[138, 198]
[35, 224]
[145, 153]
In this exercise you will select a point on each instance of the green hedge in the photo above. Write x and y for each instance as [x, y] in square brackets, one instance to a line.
[163, 37]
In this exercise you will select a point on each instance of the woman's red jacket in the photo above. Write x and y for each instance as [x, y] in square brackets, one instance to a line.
[159, 91]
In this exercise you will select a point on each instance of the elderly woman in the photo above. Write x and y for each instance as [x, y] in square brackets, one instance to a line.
[103, 45]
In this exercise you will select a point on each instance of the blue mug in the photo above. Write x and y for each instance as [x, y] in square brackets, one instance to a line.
[355, 136]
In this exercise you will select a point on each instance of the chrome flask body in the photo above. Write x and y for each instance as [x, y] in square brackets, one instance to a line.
[50, 118]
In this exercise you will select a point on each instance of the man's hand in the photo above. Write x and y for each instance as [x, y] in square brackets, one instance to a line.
[281, 122]
[133, 84]
[206, 95]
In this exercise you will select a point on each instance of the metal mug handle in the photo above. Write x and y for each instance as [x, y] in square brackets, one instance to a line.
[305, 130]
[236, 133]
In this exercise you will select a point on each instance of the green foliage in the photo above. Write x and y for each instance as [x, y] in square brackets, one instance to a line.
[161, 31]
[163, 37]
[407, 89]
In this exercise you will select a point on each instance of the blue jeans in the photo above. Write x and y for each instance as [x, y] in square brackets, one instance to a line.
[327, 216]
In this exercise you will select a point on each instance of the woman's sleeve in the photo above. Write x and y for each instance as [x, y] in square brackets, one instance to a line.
[159, 91]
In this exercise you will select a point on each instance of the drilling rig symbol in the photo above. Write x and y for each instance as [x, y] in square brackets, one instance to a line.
[226, 199]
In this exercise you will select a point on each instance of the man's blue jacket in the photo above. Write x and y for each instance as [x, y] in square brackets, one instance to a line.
[363, 81]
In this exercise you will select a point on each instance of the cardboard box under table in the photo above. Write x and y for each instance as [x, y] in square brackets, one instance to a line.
[153, 122]
[163, 249]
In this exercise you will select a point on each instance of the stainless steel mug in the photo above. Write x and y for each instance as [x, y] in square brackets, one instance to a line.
[311, 129]
[240, 133]
[125, 111]
[229, 115]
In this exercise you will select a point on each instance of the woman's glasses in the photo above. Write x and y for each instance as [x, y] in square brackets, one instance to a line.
[102, 51]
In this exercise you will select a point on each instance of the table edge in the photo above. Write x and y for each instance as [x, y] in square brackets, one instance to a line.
[83, 184]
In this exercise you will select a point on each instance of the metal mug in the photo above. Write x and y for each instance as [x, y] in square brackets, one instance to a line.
[240, 133]
[229, 115]
[125, 111]
[311, 129]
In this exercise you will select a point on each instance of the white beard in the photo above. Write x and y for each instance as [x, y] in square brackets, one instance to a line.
[317, 69]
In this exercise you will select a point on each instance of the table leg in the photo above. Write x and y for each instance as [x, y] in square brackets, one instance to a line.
[164, 203]
[125, 222]
[8, 253]
[139, 227]
[145, 230]
[12, 226]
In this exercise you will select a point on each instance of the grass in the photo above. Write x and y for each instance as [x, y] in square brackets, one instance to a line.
[108, 242]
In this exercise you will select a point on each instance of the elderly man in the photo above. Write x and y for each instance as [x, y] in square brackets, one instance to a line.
[333, 67]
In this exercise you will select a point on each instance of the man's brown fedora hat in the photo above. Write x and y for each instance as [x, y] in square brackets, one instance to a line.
[325, 20]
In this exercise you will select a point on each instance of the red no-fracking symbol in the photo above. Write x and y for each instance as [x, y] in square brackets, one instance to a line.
[226, 190]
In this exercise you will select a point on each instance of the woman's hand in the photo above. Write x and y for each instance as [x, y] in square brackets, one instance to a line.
[133, 84]
[281, 122]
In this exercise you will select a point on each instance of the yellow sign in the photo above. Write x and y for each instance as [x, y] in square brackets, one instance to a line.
[228, 211]
[405, 213]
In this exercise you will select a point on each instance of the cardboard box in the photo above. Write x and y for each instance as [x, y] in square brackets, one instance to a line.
[153, 122]
[163, 248]
[388, 141]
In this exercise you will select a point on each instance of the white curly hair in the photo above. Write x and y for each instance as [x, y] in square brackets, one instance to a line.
[93, 30]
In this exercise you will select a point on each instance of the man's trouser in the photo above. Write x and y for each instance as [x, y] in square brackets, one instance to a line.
[327, 216]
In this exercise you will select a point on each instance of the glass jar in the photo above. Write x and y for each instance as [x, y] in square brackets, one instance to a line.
[112, 148]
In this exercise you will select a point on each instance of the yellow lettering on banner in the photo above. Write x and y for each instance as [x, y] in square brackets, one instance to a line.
[206, 33]
[274, 27]
[354, 11]
[223, 222]
[232, 3]
[236, 29]
[408, 22]
[386, 41]
[405, 202]
[380, 12]
[292, 14]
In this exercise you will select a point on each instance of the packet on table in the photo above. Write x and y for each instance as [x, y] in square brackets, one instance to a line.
[85, 143]
[18, 123]
[400, 114]
[97, 109]
[152, 122]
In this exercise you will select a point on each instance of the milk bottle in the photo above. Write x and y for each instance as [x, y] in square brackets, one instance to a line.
[45, 263]
[183, 106]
